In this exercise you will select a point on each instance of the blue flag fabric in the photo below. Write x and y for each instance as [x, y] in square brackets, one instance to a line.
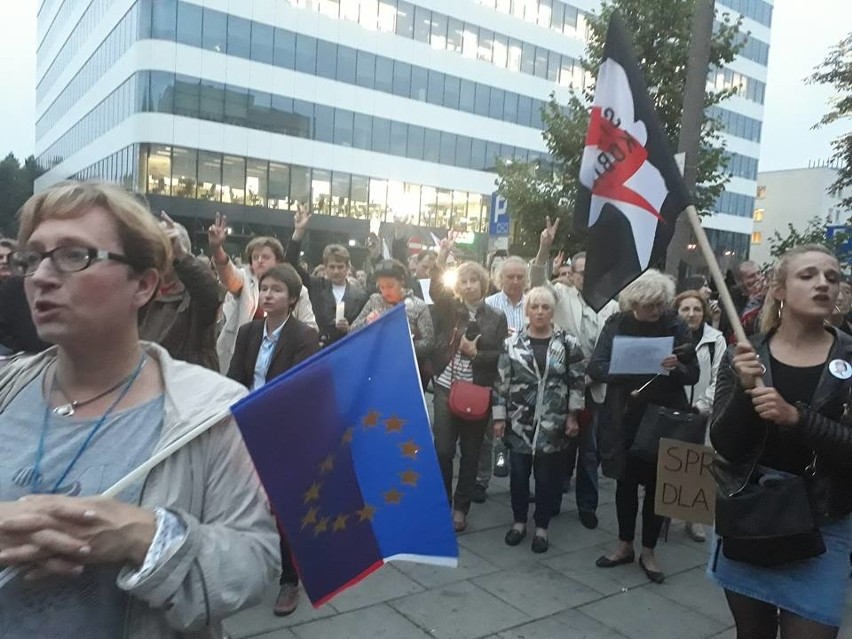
[343, 446]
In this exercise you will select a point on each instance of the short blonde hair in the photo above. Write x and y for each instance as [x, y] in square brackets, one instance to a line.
[652, 287]
[471, 268]
[143, 242]
[770, 316]
[537, 293]
[262, 242]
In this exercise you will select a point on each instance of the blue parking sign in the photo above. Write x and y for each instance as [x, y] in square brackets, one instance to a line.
[498, 222]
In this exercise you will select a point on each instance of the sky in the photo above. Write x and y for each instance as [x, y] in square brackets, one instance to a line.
[802, 33]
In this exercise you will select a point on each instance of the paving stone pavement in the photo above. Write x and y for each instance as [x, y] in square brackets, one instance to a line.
[498, 592]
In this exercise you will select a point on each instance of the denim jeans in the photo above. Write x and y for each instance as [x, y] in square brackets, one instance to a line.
[449, 430]
[547, 468]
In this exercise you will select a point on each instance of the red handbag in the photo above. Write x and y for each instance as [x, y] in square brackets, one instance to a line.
[467, 401]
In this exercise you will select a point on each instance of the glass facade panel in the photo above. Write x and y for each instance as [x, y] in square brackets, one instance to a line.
[214, 30]
[279, 186]
[300, 186]
[419, 83]
[262, 39]
[402, 79]
[405, 19]
[284, 53]
[239, 37]
[366, 69]
[256, 182]
[343, 127]
[340, 193]
[160, 170]
[234, 180]
[359, 200]
[326, 59]
[184, 172]
[321, 191]
[209, 176]
[306, 54]
[189, 18]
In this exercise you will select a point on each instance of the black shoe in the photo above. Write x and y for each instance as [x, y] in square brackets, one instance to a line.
[478, 496]
[656, 576]
[605, 562]
[589, 520]
[501, 465]
[539, 544]
[514, 537]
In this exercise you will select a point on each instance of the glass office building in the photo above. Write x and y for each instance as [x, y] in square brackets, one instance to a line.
[371, 110]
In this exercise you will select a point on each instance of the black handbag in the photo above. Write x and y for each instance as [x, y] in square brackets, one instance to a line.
[660, 421]
[766, 520]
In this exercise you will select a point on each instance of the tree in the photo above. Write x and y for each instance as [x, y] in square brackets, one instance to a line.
[661, 30]
[836, 70]
[815, 232]
[16, 185]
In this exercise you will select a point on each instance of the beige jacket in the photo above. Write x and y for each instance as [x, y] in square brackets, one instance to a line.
[578, 319]
[230, 553]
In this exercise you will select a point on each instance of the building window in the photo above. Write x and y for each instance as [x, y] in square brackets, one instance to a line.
[756, 237]
[758, 215]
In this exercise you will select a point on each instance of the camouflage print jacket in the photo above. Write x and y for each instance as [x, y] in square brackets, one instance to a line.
[536, 407]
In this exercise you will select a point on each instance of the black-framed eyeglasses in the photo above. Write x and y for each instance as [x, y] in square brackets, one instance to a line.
[65, 259]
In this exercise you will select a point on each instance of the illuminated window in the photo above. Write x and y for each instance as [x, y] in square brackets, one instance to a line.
[758, 215]
[761, 192]
[756, 237]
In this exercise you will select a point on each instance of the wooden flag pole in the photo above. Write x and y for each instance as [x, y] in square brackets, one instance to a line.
[716, 273]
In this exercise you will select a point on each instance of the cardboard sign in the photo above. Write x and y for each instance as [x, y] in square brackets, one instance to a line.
[685, 488]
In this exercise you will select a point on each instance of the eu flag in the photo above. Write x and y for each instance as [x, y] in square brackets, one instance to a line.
[343, 446]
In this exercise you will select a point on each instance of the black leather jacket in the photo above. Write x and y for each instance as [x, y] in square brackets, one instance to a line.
[825, 426]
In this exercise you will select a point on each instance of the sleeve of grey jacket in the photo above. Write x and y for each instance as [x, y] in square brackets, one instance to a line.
[226, 561]
[500, 393]
[576, 369]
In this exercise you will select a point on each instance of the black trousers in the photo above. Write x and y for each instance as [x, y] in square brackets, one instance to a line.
[627, 503]
[548, 469]
[449, 430]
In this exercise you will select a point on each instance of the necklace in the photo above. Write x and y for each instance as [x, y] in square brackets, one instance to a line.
[67, 410]
[32, 476]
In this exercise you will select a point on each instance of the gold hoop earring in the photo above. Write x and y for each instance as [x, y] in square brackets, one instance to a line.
[780, 309]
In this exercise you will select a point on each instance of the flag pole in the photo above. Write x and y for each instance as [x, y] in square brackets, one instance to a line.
[716, 273]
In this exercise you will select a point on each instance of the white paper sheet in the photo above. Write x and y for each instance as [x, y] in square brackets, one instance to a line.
[639, 355]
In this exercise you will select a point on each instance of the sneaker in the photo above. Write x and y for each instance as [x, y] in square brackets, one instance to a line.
[589, 520]
[478, 496]
[288, 600]
[501, 465]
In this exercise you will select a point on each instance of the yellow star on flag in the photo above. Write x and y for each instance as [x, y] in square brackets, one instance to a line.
[312, 493]
[339, 523]
[310, 518]
[394, 424]
[409, 478]
[393, 496]
[371, 419]
[321, 526]
[366, 513]
[410, 449]
[326, 465]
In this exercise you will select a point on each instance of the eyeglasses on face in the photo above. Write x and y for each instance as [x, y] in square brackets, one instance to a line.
[65, 259]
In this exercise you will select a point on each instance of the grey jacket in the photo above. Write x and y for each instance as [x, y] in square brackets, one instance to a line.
[230, 553]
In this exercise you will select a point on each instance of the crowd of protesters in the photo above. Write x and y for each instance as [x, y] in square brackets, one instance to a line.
[97, 290]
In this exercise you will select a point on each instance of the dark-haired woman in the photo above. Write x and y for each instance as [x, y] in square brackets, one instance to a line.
[391, 277]
[795, 422]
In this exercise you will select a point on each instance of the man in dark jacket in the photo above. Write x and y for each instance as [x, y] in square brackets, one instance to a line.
[336, 300]
[182, 317]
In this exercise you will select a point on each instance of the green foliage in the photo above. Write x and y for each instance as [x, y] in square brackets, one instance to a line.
[815, 232]
[836, 71]
[661, 31]
[16, 185]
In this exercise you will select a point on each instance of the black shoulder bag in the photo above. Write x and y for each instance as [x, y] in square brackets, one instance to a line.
[766, 520]
[672, 423]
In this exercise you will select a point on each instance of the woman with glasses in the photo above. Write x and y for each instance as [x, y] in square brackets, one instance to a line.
[645, 312]
[185, 546]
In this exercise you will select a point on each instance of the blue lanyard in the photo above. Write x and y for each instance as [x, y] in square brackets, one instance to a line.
[40, 451]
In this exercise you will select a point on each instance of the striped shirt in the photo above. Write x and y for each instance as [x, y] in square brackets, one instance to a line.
[514, 313]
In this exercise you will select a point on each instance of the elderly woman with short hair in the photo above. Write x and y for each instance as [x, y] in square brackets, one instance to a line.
[540, 391]
[646, 311]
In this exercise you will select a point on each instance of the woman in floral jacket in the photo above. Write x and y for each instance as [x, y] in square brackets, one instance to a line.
[540, 390]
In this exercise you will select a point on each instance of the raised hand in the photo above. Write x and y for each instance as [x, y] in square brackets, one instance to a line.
[559, 260]
[217, 233]
[301, 221]
[549, 232]
[173, 233]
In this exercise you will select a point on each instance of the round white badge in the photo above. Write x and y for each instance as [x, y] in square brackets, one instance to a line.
[840, 368]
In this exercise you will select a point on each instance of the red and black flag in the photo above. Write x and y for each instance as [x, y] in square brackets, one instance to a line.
[631, 190]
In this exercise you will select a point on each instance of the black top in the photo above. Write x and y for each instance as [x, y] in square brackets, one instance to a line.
[539, 347]
[785, 449]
